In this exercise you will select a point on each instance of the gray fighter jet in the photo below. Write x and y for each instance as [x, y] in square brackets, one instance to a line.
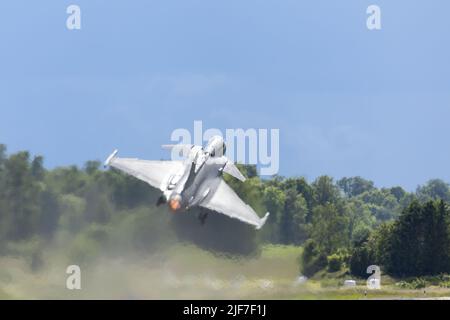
[195, 182]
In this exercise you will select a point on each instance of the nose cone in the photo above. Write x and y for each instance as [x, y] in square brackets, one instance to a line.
[175, 203]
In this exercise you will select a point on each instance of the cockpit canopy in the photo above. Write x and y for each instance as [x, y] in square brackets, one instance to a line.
[216, 147]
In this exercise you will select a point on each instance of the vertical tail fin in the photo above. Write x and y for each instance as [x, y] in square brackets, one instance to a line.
[232, 170]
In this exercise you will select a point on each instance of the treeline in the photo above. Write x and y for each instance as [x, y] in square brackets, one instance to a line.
[417, 244]
[348, 223]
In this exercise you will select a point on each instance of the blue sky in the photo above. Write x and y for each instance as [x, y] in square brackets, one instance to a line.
[348, 101]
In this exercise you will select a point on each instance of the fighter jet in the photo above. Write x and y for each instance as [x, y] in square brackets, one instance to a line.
[195, 181]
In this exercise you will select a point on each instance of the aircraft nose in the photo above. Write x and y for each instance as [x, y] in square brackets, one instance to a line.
[175, 203]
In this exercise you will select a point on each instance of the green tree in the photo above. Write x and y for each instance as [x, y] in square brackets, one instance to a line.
[434, 189]
[436, 238]
[67, 180]
[247, 170]
[354, 186]
[380, 244]
[274, 200]
[383, 205]
[91, 167]
[419, 244]
[329, 228]
[407, 242]
[312, 259]
[360, 220]
[37, 168]
[325, 191]
[398, 192]
[360, 260]
[2, 155]
[292, 219]
[300, 225]
[21, 195]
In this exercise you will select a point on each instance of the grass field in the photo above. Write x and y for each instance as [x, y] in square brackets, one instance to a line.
[187, 272]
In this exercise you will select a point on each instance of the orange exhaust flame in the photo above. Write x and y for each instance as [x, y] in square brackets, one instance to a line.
[174, 205]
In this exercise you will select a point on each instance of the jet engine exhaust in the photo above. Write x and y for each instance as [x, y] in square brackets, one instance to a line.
[175, 203]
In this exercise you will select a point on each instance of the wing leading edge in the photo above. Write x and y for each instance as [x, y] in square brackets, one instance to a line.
[227, 202]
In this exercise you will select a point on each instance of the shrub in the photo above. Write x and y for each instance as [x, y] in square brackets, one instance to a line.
[334, 262]
[359, 261]
[417, 283]
[312, 259]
